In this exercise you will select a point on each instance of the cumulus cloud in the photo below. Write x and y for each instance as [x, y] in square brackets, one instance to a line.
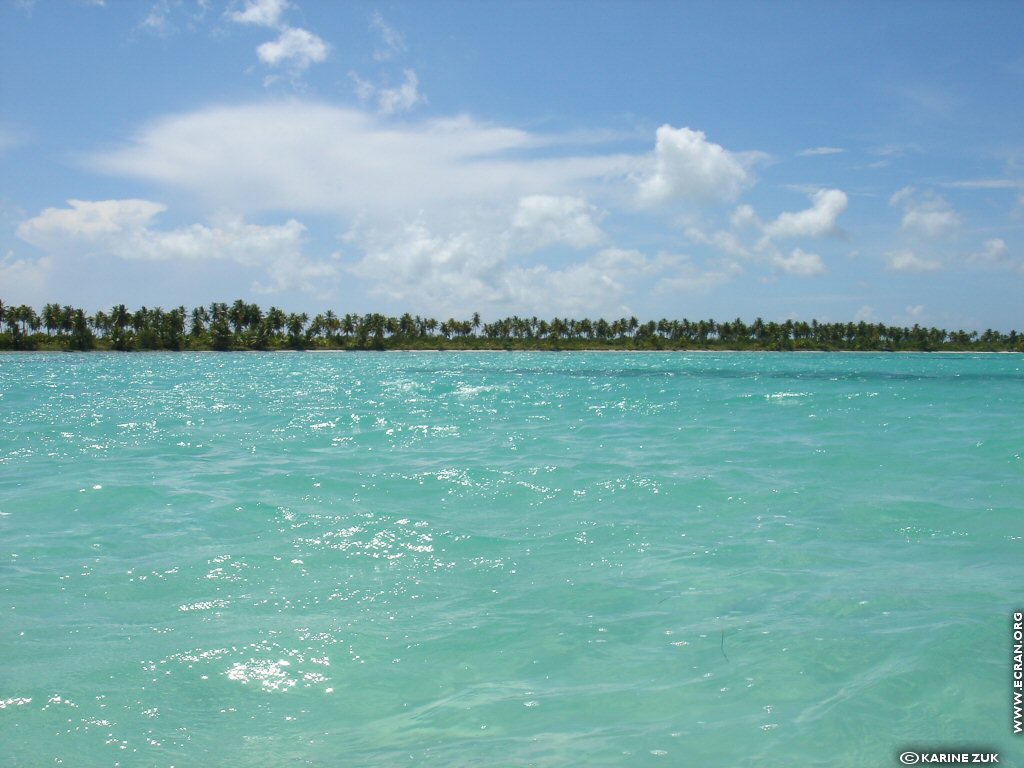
[925, 215]
[296, 48]
[125, 228]
[543, 220]
[799, 263]
[687, 166]
[907, 261]
[593, 287]
[818, 220]
[261, 13]
[448, 272]
[88, 221]
[415, 264]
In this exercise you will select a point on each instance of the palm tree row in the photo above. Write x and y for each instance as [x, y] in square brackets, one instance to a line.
[242, 325]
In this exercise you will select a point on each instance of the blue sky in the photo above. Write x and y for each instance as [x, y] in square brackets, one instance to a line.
[827, 160]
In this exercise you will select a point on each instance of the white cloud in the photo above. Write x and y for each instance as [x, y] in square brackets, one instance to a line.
[995, 251]
[543, 220]
[818, 151]
[364, 88]
[165, 17]
[393, 40]
[722, 240]
[745, 218]
[687, 166]
[441, 270]
[688, 277]
[926, 215]
[818, 220]
[261, 13]
[88, 221]
[157, 21]
[894, 150]
[865, 314]
[800, 263]
[403, 98]
[914, 313]
[446, 273]
[932, 223]
[296, 48]
[125, 228]
[908, 261]
[593, 287]
[901, 196]
[25, 281]
[985, 184]
[302, 156]
[390, 100]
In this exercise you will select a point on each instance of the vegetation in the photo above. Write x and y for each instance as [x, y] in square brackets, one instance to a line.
[241, 326]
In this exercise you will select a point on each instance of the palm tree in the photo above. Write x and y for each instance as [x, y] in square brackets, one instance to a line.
[67, 319]
[332, 325]
[81, 336]
[275, 320]
[220, 332]
[101, 323]
[348, 325]
[296, 324]
[29, 318]
[200, 317]
[51, 318]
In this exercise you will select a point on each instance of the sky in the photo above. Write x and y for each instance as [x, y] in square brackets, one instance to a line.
[838, 161]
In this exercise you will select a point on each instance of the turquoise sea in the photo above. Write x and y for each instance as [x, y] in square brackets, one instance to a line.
[507, 559]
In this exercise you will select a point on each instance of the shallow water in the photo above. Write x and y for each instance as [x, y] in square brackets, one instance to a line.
[511, 559]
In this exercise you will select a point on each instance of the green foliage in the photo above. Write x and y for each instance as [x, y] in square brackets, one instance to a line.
[242, 326]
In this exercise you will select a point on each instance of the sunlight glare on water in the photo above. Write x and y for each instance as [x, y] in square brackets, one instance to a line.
[559, 559]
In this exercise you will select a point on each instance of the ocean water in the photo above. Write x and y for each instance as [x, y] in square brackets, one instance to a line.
[508, 559]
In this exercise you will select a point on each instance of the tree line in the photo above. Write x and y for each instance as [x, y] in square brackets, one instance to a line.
[245, 326]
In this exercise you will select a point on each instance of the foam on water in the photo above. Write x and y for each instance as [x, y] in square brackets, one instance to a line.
[531, 559]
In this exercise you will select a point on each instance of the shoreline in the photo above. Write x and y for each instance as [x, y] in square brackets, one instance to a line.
[494, 350]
